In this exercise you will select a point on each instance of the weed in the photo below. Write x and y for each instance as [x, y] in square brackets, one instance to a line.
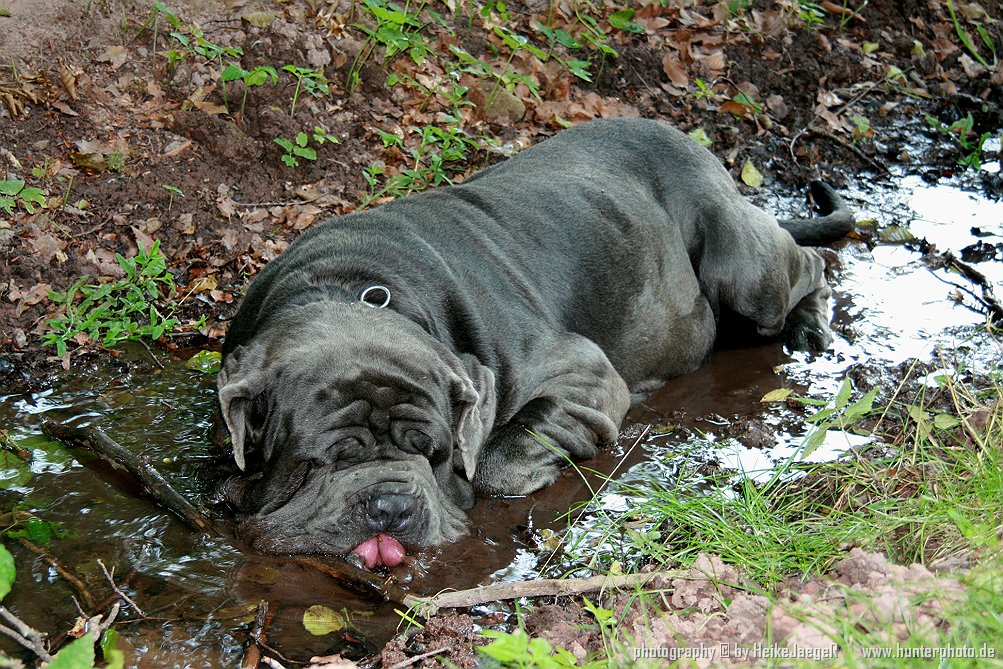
[835, 413]
[397, 30]
[517, 650]
[198, 45]
[160, 9]
[961, 132]
[811, 13]
[494, 7]
[299, 146]
[113, 312]
[256, 76]
[14, 193]
[440, 151]
[848, 16]
[624, 20]
[309, 80]
[34, 529]
[508, 77]
[172, 191]
[861, 128]
[115, 160]
[967, 41]
[704, 90]
[737, 7]
[174, 58]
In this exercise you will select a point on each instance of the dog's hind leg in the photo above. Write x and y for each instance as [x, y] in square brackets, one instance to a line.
[574, 401]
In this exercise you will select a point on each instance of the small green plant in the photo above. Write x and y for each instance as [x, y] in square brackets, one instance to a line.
[737, 7]
[309, 80]
[961, 133]
[624, 20]
[34, 529]
[861, 128]
[172, 191]
[704, 90]
[516, 650]
[397, 30]
[161, 10]
[14, 193]
[196, 44]
[440, 151]
[471, 64]
[117, 311]
[299, 147]
[835, 413]
[967, 41]
[256, 76]
[811, 13]
[174, 58]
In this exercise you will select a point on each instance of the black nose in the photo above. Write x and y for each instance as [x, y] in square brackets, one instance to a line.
[390, 512]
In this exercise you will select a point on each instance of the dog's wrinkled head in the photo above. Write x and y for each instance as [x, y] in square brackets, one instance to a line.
[355, 430]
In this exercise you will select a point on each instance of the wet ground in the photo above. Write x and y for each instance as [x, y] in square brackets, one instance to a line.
[200, 593]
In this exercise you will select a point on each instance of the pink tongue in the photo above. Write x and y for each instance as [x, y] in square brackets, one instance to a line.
[381, 549]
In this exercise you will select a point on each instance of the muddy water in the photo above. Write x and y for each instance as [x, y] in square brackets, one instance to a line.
[199, 593]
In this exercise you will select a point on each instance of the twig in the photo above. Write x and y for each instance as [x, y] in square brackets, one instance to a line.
[418, 658]
[94, 439]
[987, 300]
[428, 606]
[850, 147]
[361, 579]
[118, 591]
[258, 637]
[152, 357]
[25, 634]
[62, 570]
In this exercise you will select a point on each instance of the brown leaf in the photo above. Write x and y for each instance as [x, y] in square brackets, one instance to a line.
[142, 238]
[714, 62]
[68, 77]
[736, 108]
[115, 55]
[203, 284]
[45, 246]
[674, 70]
[777, 105]
[105, 262]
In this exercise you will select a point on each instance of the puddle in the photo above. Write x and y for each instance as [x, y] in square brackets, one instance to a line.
[200, 592]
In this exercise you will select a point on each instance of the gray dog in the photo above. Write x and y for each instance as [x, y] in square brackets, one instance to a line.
[476, 338]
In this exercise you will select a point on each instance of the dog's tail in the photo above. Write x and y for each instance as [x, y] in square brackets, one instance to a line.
[835, 221]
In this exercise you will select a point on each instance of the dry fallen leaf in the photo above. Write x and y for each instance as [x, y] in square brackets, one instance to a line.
[674, 69]
[116, 56]
[751, 176]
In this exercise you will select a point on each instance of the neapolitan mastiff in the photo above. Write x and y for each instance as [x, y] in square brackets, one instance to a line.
[475, 338]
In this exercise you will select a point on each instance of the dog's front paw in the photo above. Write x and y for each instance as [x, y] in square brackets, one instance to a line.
[515, 462]
[809, 338]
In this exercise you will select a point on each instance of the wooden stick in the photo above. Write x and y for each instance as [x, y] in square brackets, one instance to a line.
[428, 606]
[25, 634]
[93, 439]
[360, 579]
[62, 570]
[257, 637]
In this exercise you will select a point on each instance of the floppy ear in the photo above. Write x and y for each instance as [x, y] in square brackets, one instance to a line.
[474, 392]
[239, 382]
